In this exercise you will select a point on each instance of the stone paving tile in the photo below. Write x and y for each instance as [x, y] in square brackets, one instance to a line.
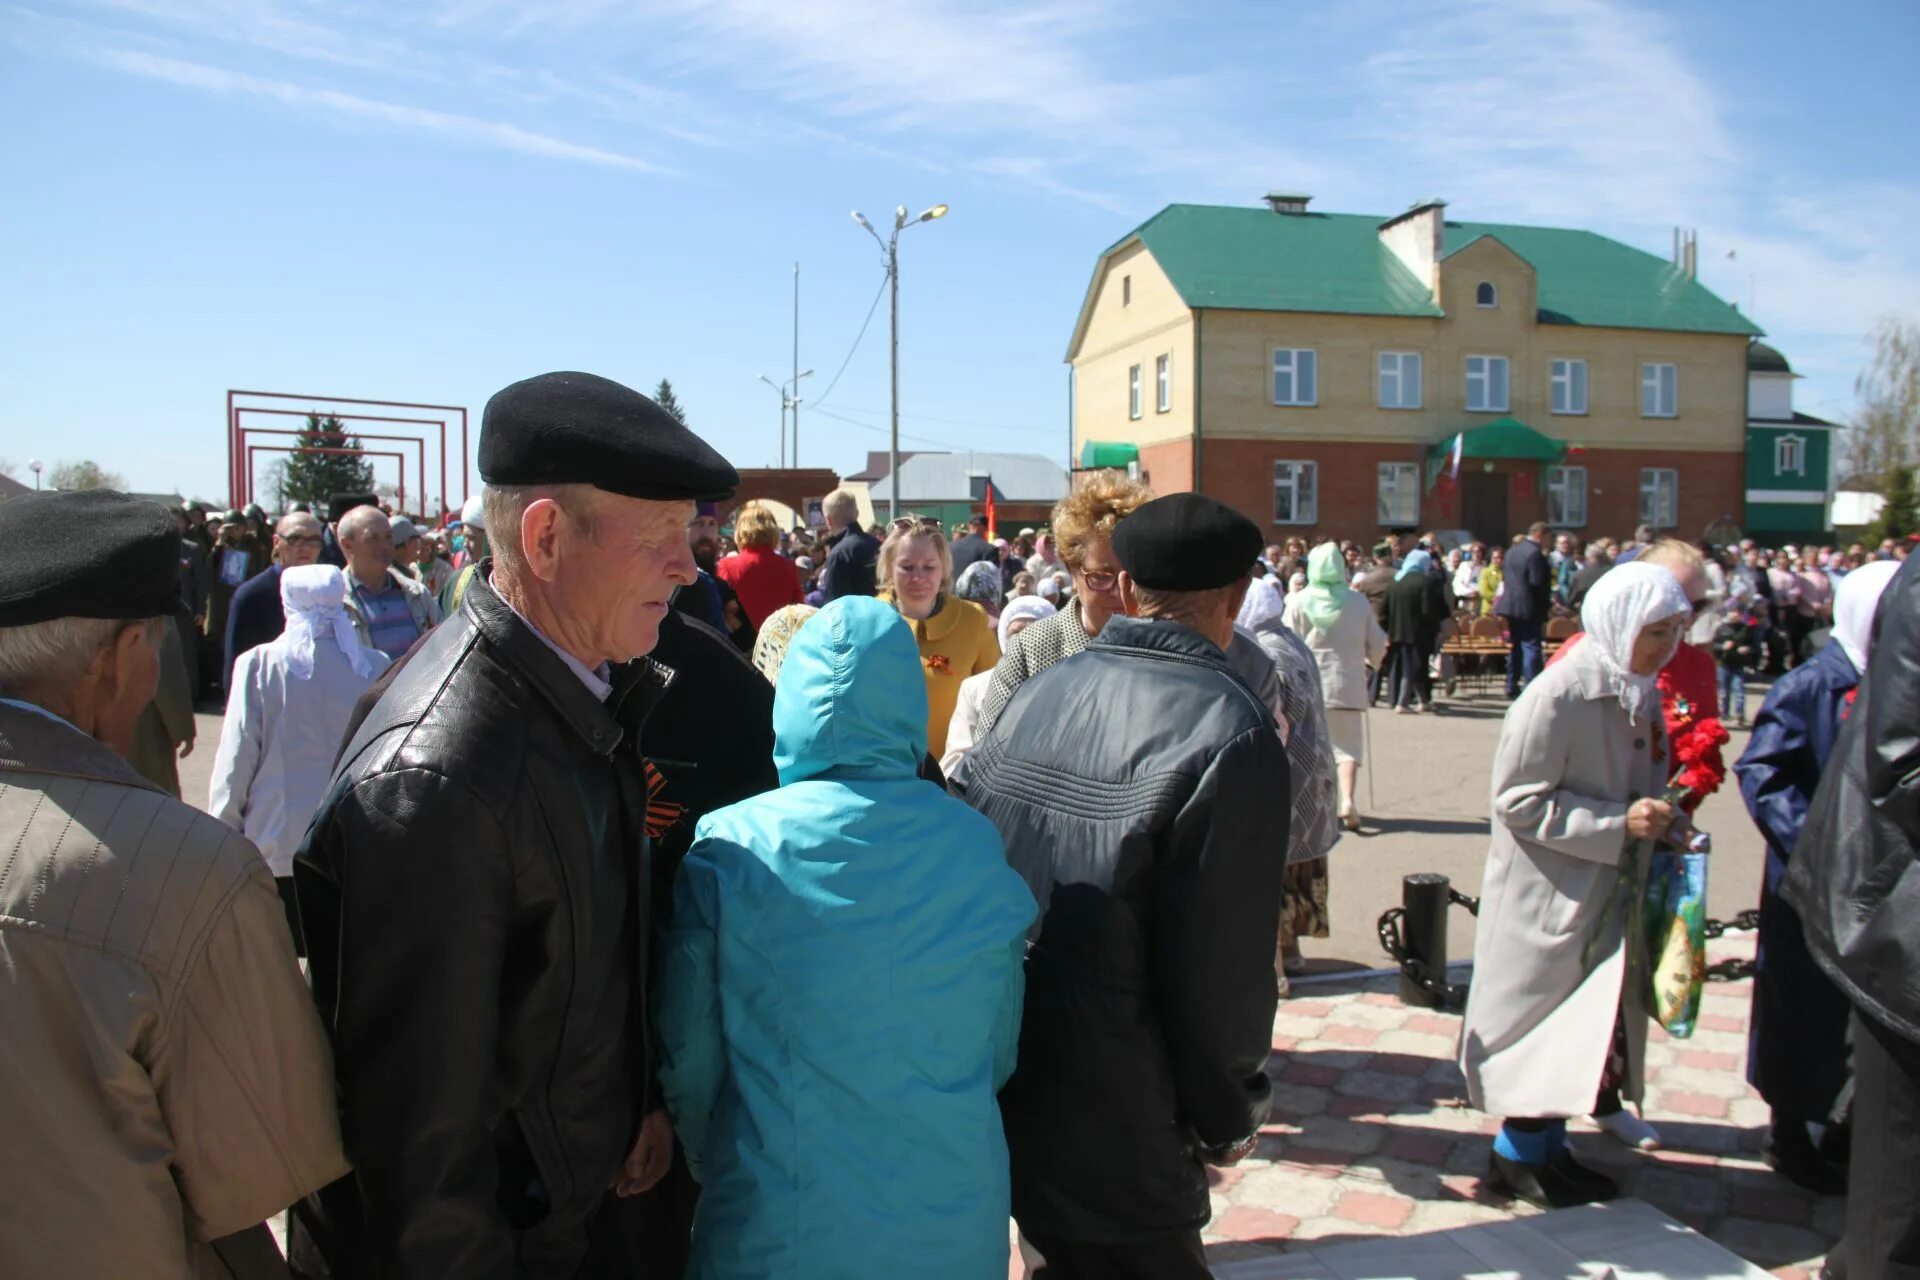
[1371, 1134]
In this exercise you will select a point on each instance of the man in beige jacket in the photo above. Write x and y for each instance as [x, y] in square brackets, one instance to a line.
[166, 1086]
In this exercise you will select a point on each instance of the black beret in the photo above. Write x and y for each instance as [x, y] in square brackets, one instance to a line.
[340, 503]
[93, 553]
[1186, 542]
[575, 428]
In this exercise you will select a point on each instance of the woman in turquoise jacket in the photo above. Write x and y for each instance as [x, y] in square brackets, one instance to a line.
[840, 988]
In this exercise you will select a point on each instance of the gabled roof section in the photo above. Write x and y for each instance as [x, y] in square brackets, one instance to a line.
[1248, 259]
[1588, 279]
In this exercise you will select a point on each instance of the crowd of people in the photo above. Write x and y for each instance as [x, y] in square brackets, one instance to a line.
[752, 901]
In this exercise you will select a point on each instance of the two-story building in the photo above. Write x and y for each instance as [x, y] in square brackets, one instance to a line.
[1789, 456]
[1341, 374]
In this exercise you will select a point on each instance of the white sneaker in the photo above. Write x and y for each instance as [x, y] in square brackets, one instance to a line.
[1630, 1129]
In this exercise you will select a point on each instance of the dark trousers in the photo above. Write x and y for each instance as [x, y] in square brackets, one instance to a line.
[1524, 657]
[1382, 677]
[1171, 1257]
[1412, 683]
[1883, 1177]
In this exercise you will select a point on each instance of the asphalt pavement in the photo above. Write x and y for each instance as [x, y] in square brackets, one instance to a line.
[1424, 797]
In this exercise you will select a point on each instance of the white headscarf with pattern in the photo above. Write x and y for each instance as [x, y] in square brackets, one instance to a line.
[1627, 599]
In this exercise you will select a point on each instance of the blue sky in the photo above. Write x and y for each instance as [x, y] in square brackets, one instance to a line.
[426, 201]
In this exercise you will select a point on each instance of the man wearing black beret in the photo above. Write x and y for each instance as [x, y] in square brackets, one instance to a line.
[476, 890]
[166, 1087]
[1133, 784]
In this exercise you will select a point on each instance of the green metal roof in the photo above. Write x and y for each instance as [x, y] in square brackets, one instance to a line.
[1106, 453]
[1501, 438]
[1257, 260]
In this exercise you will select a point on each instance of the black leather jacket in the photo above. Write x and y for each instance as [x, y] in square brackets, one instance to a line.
[1142, 790]
[474, 891]
[1855, 874]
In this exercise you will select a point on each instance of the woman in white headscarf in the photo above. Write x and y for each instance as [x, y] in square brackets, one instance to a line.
[1798, 1055]
[1340, 628]
[1312, 829]
[1020, 613]
[287, 711]
[1556, 1021]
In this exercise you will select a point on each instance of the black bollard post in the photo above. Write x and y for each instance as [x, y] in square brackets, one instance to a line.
[1425, 897]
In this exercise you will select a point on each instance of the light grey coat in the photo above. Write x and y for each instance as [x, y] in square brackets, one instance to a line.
[1540, 1012]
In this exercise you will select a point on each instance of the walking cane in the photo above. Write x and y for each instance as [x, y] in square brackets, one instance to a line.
[1366, 749]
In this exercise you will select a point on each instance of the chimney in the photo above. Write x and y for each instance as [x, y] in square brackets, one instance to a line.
[1686, 252]
[1288, 201]
[1418, 237]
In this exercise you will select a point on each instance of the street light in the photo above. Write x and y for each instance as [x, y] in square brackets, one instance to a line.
[891, 248]
[33, 465]
[787, 401]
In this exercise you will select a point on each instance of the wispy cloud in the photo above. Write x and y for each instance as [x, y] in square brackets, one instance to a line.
[465, 128]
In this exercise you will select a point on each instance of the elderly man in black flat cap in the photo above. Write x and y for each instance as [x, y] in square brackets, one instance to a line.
[475, 889]
[166, 1086]
[1133, 784]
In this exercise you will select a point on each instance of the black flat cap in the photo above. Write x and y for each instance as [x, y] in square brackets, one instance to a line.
[575, 428]
[1186, 542]
[340, 503]
[90, 554]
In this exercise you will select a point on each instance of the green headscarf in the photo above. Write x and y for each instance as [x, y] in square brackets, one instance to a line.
[1327, 588]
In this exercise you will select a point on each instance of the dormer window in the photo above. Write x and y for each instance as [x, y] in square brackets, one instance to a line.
[1486, 295]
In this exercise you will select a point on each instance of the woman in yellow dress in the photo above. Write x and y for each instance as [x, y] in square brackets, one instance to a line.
[955, 638]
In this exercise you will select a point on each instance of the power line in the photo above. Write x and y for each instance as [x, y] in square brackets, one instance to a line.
[869, 426]
[854, 348]
[958, 422]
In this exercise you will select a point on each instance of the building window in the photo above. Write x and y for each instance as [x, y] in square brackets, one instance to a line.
[1296, 492]
[1399, 491]
[1133, 391]
[1126, 291]
[1295, 379]
[1569, 384]
[1659, 391]
[1486, 295]
[1567, 497]
[1790, 456]
[1487, 384]
[1659, 497]
[1399, 380]
[1163, 380]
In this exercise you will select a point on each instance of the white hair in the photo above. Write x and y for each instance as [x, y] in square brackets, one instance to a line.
[56, 654]
[355, 522]
[841, 507]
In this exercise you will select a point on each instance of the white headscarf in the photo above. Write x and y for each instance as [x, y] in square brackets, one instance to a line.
[1263, 603]
[1854, 603]
[1023, 609]
[314, 598]
[1628, 598]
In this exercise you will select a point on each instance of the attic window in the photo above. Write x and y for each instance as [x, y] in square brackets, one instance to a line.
[1126, 291]
[1486, 295]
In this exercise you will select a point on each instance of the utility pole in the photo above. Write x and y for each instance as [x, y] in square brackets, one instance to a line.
[796, 364]
[890, 247]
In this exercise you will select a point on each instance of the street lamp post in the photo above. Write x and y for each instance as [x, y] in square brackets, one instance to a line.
[891, 248]
[33, 465]
[788, 400]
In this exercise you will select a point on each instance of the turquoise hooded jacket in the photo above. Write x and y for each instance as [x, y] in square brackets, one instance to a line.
[839, 990]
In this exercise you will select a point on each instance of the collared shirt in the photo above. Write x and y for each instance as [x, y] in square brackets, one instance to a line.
[40, 710]
[598, 680]
[388, 616]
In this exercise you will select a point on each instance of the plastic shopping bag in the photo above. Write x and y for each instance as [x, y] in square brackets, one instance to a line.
[1676, 914]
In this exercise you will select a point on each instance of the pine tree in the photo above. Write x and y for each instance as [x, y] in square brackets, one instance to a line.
[1897, 517]
[664, 395]
[316, 477]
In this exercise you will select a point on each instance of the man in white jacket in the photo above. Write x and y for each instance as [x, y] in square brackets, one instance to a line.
[287, 712]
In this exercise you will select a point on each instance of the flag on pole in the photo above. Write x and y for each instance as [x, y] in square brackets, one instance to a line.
[1453, 463]
[992, 531]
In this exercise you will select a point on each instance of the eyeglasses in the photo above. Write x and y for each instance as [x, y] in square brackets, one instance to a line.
[1100, 581]
[300, 539]
[915, 524]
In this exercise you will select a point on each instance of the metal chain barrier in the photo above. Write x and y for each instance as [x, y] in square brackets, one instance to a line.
[1737, 968]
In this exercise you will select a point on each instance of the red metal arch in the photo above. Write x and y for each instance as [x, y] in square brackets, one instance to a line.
[396, 454]
[238, 464]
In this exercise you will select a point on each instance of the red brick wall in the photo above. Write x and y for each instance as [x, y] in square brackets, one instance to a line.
[1168, 467]
[1240, 472]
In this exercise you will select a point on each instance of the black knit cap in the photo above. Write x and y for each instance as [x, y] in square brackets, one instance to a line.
[575, 428]
[91, 554]
[1186, 542]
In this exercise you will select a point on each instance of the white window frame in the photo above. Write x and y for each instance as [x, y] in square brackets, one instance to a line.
[1790, 455]
[1126, 291]
[1163, 383]
[1134, 397]
[1397, 483]
[1492, 291]
[1660, 497]
[1560, 378]
[1401, 367]
[1658, 400]
[1567, 497]
[1296, 359]
[1287, 476]
[1483, 379]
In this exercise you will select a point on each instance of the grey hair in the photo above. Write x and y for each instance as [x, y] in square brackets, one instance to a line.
[505, 504]
[56, 654]
[355, 522]
[840, 505]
